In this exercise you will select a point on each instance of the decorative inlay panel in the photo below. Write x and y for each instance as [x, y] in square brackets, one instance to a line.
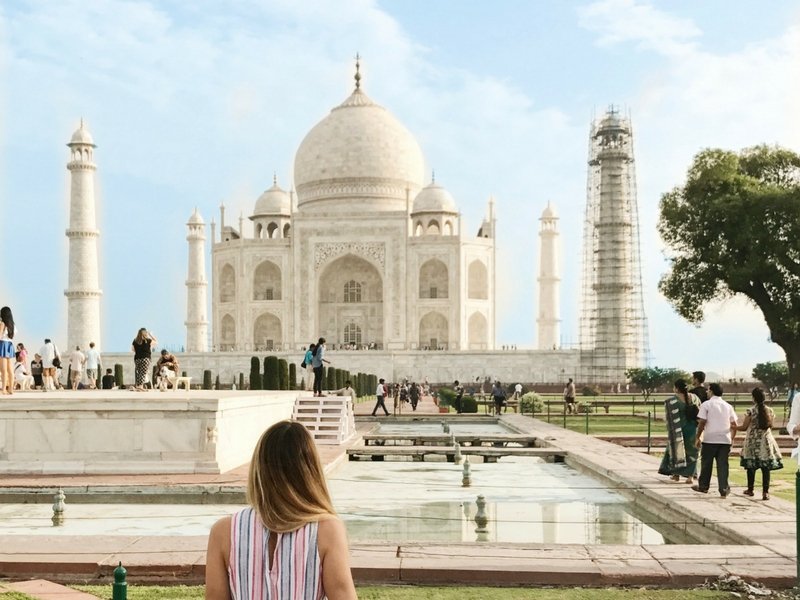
[325, 251]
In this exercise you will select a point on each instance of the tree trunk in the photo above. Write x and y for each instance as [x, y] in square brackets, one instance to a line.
[792, 352]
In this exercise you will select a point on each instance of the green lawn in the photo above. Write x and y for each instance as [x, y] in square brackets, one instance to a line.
[436, 593]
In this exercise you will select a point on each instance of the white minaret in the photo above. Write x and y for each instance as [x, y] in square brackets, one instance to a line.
[196, 286]
[83, 289]
[549, 280]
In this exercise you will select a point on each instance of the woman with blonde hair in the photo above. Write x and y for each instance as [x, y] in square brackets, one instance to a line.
[288, 544]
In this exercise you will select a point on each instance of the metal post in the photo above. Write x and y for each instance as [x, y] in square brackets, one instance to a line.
[120, 585]
[548, 411]
[797, 519]
[565, 415]
[587, 417]
[633, 405]
[648, 432]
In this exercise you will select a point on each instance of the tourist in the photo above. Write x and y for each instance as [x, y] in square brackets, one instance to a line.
[77, 360]
[499, 397]
[36, 371]
[716, 430]
[413, 394]
[306, 364]
[142, 349]
[317, 358]
[569, 397]
[459, 390]
[51, 360]
[167, 368]
[517, 392]
[681, 410]
[759, 450]
[21, 376]
[790, 398]
[7, 353]
[23, 353]
[108, 381]
[288, 543]
[347, 390]
[380, 394]
[698, 389]
[92, 365]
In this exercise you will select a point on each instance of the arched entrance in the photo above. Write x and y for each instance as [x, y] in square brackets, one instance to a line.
[267, 332]
[350, 297]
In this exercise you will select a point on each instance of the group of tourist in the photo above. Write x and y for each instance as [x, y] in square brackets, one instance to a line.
[401, 393]
[700, 422]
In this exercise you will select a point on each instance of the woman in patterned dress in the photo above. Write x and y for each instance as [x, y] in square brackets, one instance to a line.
[142, 347]
[288, 544]
[760, 450]
[680, 458]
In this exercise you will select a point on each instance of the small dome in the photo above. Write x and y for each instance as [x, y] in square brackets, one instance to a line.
[549, 212]
[82, 136]
[196, 219]
[274, 201]
[434, 198]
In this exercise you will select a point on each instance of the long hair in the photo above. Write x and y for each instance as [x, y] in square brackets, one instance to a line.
[763, 418]
[8, 320]
[683, 389]
[318, 346]
[286, 485]
[141, 336]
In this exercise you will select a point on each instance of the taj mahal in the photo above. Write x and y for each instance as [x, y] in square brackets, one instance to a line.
[366, 249]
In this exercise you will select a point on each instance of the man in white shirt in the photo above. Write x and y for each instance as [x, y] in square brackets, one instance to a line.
[380, 393]
[347, 390]
[92, 365]
[717, 426]
[76, 362]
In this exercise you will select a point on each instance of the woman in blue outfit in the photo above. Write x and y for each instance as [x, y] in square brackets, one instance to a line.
[7, 353]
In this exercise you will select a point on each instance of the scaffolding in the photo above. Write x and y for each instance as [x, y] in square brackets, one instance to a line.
[613, 327]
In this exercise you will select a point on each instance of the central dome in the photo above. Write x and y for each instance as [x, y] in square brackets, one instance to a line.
[359, 157]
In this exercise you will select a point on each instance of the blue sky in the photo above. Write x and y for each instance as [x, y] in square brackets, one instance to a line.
[194, 103]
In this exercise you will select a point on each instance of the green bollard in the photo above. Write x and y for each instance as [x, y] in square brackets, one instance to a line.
[587, 418]
[648, 432]
[120, 587]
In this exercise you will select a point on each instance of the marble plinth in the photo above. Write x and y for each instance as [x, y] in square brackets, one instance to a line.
[135, 432]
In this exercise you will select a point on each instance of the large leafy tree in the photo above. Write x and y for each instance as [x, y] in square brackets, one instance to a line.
[774, 375]
[649, 379]
[734, 229]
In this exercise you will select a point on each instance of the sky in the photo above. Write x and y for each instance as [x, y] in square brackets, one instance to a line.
[194, 104]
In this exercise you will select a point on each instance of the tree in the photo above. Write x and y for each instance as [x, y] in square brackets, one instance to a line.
[734, 230]
[271, 378]
[649, 379]
[772, 375]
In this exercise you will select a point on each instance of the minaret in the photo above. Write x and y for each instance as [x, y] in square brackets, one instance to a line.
[548, 321]
[613, 324]
[83, 289]
[196, 286]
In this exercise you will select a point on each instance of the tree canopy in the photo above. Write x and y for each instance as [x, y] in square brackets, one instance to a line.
[734, 229]
[649, 379]
[772, 375]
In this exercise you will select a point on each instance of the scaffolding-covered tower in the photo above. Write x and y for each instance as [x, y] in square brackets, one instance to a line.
[613, 327]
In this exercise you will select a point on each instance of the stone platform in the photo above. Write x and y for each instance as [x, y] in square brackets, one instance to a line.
[128, 432]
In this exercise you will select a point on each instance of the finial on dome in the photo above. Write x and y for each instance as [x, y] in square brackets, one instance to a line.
[358, 72]
[274, 178]
[433, 176]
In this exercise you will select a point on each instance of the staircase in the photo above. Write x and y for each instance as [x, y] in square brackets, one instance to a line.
[329, 419]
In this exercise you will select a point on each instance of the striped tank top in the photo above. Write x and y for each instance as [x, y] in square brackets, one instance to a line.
[296, 572]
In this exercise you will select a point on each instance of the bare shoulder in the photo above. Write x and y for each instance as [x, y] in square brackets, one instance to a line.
[221, 532]
[331, 533]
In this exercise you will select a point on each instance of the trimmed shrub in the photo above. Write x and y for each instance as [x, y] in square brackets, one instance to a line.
[241, 381]
[283, 374]
[447, 396]
[292, 376]
[217, 385]
[469, 405]
[206, 379]
[531, 402]
[255, 375]
[271, 379]
[591, 391]
[340, 378]
[118, 375]
[329, 382]
[585, 406]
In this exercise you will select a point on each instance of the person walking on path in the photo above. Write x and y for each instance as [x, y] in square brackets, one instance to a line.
[698, 389]
[716, 431]
[142, 349]
[92, 366]
[288, 544]
[7, 352]
[413, 393]
[317, 358]
[760, 450]
[499, 396]
[50, 362]
[569, 397]
[681, 410]
[380, 394]
[76, 362]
